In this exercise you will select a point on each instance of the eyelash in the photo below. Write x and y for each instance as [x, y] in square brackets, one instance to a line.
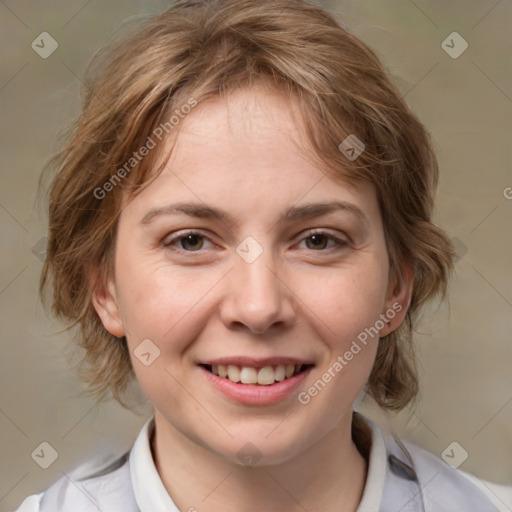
[168, 244]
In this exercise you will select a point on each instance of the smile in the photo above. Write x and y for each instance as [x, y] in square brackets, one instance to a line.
[265, 376]
[255, 382]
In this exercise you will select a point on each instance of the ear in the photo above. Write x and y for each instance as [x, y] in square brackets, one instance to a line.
[104, 300]
[398, 299]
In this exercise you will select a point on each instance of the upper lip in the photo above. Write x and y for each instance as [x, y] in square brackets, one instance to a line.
[254, 362]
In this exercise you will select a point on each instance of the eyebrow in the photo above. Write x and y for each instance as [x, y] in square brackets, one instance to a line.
[295, 213]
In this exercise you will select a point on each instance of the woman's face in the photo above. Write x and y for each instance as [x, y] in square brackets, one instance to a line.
[270, 278]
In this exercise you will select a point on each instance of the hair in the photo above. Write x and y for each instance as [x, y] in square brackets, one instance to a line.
[196, 50]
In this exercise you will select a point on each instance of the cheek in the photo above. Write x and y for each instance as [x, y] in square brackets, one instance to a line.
[348, 301]
[162, 302]
[348, 307]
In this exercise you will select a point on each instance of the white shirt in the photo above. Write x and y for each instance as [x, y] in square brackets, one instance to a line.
[401, 477]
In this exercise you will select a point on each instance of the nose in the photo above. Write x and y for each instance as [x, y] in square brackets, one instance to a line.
[257, 296]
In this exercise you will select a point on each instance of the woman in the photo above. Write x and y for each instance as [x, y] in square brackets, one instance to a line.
[241, 221]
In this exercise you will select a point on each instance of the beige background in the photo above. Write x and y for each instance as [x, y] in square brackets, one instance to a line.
[465, 350]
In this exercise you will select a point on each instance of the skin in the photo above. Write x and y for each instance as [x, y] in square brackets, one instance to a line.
[247, 154]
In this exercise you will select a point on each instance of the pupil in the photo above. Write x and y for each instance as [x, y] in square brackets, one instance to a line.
[190, 238]
[317, 240]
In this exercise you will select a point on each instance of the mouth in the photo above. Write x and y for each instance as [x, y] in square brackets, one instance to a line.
[262, 375]
[256, 382]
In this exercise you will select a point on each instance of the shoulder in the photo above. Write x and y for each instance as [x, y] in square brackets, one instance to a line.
[445, 488]
[100, 487]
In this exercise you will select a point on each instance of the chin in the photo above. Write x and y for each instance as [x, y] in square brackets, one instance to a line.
[254, 447]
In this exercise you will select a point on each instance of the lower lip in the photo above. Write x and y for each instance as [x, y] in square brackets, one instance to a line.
[256, 394]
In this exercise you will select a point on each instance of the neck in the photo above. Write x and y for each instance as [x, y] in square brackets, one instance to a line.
[329, 476]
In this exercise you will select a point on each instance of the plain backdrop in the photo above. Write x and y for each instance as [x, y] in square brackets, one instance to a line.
[464, 346]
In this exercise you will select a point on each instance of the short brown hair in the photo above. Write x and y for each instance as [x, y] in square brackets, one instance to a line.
[202, 49]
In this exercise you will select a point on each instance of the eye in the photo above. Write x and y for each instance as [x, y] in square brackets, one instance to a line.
[190, 241]
[320, 239]
[193, 241]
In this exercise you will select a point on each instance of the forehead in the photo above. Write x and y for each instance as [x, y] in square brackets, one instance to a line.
[253, 128]
[248, 151]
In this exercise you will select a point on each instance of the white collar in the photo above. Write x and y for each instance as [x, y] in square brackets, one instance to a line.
[149, 491]
[377, 467]
[152, 496]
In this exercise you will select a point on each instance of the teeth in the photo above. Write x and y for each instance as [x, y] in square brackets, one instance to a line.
[248, 375]
[264, 376]
[233, 373]
[280, 373]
